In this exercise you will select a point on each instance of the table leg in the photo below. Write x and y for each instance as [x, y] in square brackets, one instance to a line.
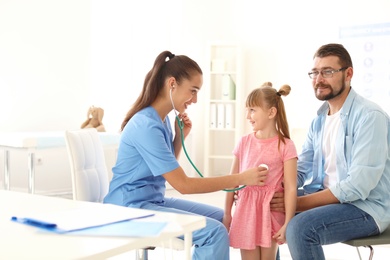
[188, 245]
[6, 170]
[31, 172]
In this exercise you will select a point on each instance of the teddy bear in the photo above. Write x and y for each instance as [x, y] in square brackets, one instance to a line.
[94, 119]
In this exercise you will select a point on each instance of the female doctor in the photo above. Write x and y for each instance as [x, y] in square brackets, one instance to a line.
[148, 152]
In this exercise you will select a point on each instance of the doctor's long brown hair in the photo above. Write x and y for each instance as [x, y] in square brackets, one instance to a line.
[166, 65]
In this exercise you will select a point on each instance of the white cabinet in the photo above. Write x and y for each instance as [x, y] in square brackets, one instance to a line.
[225, 107]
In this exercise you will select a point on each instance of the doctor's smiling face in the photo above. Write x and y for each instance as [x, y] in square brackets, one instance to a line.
[186, 92]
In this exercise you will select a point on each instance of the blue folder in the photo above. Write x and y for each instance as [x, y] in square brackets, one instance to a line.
[94, 221]
[130, 228]
[126, 228]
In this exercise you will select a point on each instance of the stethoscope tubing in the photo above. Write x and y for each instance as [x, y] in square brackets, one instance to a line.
[181, 126]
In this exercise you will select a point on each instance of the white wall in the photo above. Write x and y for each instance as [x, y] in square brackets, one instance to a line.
[44, 64]
[58, 57]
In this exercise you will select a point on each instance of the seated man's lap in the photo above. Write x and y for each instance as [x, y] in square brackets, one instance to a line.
[332, 223]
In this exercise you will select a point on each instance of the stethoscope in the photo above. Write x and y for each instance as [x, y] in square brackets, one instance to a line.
[181, 126]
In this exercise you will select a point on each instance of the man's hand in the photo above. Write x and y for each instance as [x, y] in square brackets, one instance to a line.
[277, 202]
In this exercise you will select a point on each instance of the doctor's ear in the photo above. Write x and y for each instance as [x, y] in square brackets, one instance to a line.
[171, 82]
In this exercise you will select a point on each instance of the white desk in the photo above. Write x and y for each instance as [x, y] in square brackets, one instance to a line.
[31, 141]
[20, 241]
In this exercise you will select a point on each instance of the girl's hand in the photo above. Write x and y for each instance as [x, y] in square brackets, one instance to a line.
[227, 220]
[186, 122]
[280, 236]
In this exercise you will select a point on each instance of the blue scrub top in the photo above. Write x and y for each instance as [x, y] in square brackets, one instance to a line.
[145, 153]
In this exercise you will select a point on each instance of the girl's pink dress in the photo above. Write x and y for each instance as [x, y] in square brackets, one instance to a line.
[253, 223]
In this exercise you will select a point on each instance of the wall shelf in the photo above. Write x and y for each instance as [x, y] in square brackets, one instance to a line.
[224, 107]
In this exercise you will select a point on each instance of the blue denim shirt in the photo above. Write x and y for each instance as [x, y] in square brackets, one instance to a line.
[362, 157]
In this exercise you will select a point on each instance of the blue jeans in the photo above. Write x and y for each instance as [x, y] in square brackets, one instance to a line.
[212, 241]
[309, 230]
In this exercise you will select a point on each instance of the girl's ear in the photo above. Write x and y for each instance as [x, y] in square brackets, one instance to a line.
[272, 112]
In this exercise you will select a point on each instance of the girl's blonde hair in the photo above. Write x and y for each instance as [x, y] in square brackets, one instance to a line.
[266, 97]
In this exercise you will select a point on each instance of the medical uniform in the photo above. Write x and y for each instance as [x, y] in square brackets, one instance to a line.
[145, 153]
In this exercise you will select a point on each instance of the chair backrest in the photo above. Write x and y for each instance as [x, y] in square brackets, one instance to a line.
[87, 163]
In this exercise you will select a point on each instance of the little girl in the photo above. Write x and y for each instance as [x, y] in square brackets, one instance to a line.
[254, 229]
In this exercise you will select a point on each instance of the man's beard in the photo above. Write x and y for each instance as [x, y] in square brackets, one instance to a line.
[332, 94]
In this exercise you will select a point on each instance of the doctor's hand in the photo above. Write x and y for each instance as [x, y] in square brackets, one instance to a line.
[186, 122]
[254, 176]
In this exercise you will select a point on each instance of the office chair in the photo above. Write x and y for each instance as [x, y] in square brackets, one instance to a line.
[87, 165]
[370, 241]
[90, 177]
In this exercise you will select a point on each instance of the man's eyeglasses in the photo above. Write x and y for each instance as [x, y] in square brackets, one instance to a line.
[324, 73]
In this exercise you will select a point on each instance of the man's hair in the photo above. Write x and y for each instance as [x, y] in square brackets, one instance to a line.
[335, 49]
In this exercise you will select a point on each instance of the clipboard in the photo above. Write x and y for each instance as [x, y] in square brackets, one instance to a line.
[76, 219]
[127, 228]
